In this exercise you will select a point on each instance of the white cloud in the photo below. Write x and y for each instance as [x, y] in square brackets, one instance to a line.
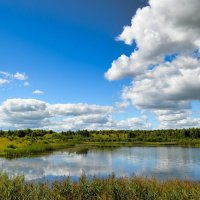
[164, 28]
[26, 84]
[79, 109]
[176, 119]
[169, 86]
[20, 76]
[38, 92]
[122, 105]
[99, 122]
[78, 122]
[5, 74]
[24, 113]
[8, 78]
[3, 81]
[32, 113]
[133, 123]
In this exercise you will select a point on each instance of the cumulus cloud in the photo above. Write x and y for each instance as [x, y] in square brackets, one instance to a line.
[172, 85]
[161, 29]
[24, 113]
[38, 92]
[176, 119]
[32, 113]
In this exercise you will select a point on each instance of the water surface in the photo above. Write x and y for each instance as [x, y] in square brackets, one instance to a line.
[159, 162]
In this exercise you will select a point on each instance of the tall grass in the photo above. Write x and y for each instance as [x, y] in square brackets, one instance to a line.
[135, 188]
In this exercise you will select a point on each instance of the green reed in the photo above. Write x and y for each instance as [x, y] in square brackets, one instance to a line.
[136, 188]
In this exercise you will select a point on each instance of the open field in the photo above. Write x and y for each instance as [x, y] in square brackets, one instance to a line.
[111, 188]
[30, 142]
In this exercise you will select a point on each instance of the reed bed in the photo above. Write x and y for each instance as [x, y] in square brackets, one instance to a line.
[136, 188]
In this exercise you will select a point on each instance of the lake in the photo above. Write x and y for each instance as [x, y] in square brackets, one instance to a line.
[159, 162]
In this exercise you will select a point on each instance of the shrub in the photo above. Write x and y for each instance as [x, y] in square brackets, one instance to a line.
[11, 146]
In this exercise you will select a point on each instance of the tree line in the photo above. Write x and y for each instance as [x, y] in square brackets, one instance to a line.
[169, 133]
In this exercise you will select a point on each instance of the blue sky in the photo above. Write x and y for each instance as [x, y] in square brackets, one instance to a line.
[64, 49]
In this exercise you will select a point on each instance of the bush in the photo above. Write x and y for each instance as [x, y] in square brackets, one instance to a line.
[11, 146]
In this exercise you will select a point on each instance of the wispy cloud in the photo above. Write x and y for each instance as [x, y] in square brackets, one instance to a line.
[4, 81]
[26, 84]
[8, 78]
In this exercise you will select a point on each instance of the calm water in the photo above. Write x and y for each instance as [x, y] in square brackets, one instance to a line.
[158, 162]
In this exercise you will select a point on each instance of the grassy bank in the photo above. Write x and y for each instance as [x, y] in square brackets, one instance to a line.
[15, 146]
[30, 142]
[110, 188]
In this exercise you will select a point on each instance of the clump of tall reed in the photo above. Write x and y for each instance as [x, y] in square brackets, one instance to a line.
[136, 188]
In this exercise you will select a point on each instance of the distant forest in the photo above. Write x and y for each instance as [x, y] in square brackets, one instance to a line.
[139, 134]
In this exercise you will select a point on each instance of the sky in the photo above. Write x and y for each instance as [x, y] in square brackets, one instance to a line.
[99, 64]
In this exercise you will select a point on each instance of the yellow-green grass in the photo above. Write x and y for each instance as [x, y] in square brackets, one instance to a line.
[16, 146]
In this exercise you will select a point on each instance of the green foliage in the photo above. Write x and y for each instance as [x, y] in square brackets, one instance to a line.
[26, 132]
